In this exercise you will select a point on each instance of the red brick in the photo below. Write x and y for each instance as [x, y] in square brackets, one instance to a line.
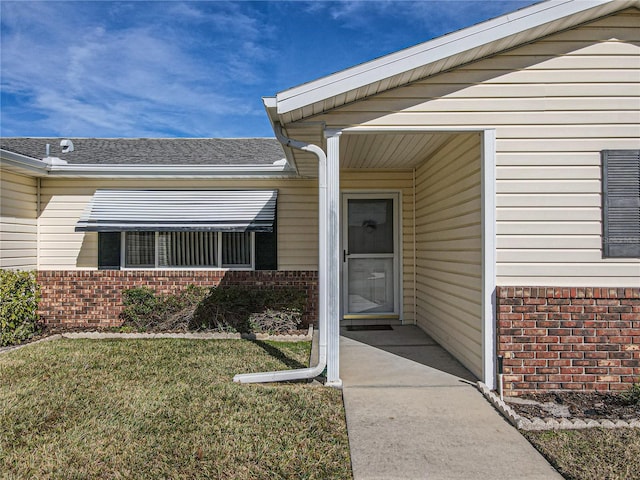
[596, 370]
[548, 339]
[573, 386]
[547, 308]
[608, 363]
[572, 370]
[535, 331]
[620, 339]
[548, 324]
[547, 354]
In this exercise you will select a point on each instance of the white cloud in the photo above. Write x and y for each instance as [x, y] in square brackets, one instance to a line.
[128, 78]
[191, 68]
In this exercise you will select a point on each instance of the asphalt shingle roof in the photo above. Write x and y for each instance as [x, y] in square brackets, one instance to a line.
[153, 151]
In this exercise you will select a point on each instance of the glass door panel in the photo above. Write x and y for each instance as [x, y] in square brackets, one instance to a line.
[370, 285]
[370, 261]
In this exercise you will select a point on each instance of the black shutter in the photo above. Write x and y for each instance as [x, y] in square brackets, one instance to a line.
[621, 203]
[267, 249]
[109, 250]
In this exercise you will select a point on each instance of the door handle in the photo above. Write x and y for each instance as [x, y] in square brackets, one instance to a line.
[344, 256]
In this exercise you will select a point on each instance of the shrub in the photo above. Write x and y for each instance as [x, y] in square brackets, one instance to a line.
[225, 309]
[19, 297]
[147, 310]
[632, 395]
[275, 321]
[235, 308]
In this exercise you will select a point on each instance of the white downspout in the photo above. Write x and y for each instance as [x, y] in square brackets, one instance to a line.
[323, 224]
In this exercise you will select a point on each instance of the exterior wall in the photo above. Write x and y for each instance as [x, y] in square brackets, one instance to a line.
[569, 338]
[18, 221]
[399, 181]
[64, 200]
[448, 249]
[74, 298]
[555, 104]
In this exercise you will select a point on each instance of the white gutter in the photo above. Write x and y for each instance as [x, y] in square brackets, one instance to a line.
[323, 285]
[22, 163]
[154, 171]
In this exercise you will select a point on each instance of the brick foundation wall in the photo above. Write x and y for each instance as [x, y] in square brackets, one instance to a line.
[93, 298]
[568, 338]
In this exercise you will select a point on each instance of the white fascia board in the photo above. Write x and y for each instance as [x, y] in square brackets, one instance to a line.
[270, 106]
[437, 49]
[22, 163]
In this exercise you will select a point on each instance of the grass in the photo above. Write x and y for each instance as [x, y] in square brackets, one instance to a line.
[165, 409]
[591, 454]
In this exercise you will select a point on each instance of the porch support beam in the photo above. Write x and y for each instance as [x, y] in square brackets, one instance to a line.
[488, 212]
[333, 257]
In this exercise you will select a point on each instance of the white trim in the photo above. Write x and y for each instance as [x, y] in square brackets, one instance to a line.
[22, 163]
[333, 257]
[363, 129]
[415, 254]
[481, 35]
[488, 213]
[398, 292]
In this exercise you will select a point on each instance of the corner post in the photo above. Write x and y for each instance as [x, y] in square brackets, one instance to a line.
[333, 257]
[488, 213]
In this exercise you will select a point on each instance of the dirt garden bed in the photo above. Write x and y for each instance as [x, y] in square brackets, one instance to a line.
[574, 405]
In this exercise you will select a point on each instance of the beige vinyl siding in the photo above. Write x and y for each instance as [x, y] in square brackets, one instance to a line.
[369, 181]
[18, 222]
[448, 249]
[64, 200]
[555, 104]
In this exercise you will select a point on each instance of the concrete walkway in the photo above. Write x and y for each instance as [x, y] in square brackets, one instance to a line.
[413, 412]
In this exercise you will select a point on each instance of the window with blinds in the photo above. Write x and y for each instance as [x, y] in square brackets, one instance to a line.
[188, 249]
[236, 249]
[140, 250]
[621, 203]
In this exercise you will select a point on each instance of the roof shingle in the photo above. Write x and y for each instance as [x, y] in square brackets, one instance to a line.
[153, 151]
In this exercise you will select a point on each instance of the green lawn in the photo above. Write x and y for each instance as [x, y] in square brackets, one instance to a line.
[591, 454]
[165, 409]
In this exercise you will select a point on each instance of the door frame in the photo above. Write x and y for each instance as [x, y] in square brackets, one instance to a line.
[398, 295]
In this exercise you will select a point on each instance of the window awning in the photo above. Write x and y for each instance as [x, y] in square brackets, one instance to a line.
[176, 210]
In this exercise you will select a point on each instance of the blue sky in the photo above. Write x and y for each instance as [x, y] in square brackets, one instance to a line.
[193, 69]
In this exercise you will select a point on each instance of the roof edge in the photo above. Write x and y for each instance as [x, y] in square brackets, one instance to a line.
[22, 163]
[35, 167]
[437, 49]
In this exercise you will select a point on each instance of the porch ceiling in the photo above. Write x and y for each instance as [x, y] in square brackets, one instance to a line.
[390, 150]
[373, 150]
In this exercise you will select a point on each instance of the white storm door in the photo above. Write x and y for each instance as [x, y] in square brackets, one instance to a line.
[370, 255]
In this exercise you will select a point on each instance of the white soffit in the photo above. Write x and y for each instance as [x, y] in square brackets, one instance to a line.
[442, 53]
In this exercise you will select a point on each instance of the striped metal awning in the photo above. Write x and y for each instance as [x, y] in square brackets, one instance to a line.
[179, 210]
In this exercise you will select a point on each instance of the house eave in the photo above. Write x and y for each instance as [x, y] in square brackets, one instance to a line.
[29, 166]
[22, 164]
